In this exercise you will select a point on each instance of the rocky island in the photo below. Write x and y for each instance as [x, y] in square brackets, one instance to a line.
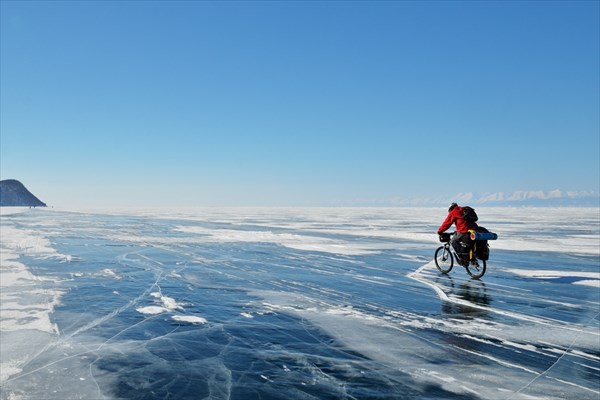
[14, 194]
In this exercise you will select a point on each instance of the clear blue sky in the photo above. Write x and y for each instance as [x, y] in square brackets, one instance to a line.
[297, 103]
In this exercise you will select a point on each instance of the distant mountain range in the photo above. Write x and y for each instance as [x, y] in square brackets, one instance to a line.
[14, 194]
[530, 198]
[534, 198]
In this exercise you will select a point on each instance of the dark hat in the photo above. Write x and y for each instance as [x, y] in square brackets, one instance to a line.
[452, 206]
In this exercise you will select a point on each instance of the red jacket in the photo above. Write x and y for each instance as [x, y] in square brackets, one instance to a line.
[456, 216]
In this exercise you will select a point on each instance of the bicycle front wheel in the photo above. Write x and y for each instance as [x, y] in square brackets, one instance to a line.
[476, 270]
[443, 259]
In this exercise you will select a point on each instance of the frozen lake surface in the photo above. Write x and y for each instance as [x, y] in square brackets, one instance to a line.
[296, 304]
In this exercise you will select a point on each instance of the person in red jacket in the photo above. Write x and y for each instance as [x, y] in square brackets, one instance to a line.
[460, 240]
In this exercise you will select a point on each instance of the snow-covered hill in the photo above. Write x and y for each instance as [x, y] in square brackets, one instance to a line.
[531, 198]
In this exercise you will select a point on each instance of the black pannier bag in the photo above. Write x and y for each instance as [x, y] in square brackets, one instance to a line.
[463, 248]
[482, 248]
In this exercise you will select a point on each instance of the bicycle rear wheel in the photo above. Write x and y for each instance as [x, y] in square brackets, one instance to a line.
[476, 270]
[443, 259]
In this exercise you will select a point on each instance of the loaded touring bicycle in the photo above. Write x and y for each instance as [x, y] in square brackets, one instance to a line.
[472, 254]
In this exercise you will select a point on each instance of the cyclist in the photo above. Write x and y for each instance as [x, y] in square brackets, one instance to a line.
[460, 240]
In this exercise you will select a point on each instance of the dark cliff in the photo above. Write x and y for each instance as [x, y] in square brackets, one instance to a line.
[14, 194]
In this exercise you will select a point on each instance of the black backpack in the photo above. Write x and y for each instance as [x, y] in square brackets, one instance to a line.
[469, 214]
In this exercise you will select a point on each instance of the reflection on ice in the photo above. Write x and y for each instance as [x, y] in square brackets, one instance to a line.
[294, 304]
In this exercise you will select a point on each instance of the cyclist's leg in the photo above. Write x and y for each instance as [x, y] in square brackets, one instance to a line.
[461, 244]
[456, 241]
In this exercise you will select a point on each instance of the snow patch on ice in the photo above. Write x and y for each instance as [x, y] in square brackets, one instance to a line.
[294, 241]
[579, 278]
[168, 302]
[189, 318]
[107, 272]
[25, 304]
[9, 368]
[13, 210]
[594, 283]
[151, 310]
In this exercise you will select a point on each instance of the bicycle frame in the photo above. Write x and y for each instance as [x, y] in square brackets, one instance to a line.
[446, 254]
